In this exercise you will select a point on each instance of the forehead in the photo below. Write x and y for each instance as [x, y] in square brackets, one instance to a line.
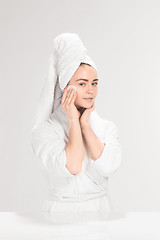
[85, 72]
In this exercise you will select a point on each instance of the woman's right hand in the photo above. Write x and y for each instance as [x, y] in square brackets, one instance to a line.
[68, 105]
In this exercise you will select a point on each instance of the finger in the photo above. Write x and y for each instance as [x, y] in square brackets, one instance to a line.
[64, 95]
[71, 96]
[93, 107]
[67, 96]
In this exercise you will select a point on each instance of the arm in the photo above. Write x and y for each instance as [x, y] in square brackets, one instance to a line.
[95, 146]
[110, 155]
[74, 147]
[49, 149]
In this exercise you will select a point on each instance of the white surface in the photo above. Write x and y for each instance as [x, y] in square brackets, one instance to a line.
[126, 226]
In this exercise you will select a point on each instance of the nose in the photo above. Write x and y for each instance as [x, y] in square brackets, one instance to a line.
[90, 89]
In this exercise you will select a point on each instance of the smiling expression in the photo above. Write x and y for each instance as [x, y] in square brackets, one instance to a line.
[85, 79]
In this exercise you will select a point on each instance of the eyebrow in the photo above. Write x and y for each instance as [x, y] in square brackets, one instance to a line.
[86, 79]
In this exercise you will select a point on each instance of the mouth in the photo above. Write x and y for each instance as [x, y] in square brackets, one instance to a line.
[88, 99]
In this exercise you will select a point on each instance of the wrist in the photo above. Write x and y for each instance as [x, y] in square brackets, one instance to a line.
[84, 124]
[73, 120]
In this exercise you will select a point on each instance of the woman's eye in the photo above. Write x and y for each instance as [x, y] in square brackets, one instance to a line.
[84, 83]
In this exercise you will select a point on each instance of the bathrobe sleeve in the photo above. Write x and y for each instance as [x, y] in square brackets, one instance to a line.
[49, 149]
[110, 158]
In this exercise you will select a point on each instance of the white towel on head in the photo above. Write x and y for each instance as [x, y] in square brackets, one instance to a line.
[68, 52]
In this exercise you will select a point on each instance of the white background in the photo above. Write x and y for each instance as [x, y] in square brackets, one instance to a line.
[123, 39]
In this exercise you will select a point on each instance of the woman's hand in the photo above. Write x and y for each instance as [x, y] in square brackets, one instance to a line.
[84, 119]
[68, 105]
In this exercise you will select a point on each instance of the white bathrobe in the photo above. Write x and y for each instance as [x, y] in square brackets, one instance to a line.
[88, 190]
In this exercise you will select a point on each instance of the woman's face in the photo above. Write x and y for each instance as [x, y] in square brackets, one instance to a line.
[86, 88]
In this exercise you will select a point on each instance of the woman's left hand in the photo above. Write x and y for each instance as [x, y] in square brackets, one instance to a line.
[86, 115]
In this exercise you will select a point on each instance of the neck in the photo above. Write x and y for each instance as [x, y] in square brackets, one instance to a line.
[81, 109]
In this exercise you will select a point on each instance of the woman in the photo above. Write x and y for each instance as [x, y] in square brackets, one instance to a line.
[77, 147]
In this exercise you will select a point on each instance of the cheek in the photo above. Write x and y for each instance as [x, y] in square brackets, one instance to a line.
[96, 90]
[78, 97]
[80, 93]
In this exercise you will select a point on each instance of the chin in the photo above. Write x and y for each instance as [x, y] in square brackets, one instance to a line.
[87, 105]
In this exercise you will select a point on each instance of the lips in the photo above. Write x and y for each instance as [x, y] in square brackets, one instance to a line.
[88, 99]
